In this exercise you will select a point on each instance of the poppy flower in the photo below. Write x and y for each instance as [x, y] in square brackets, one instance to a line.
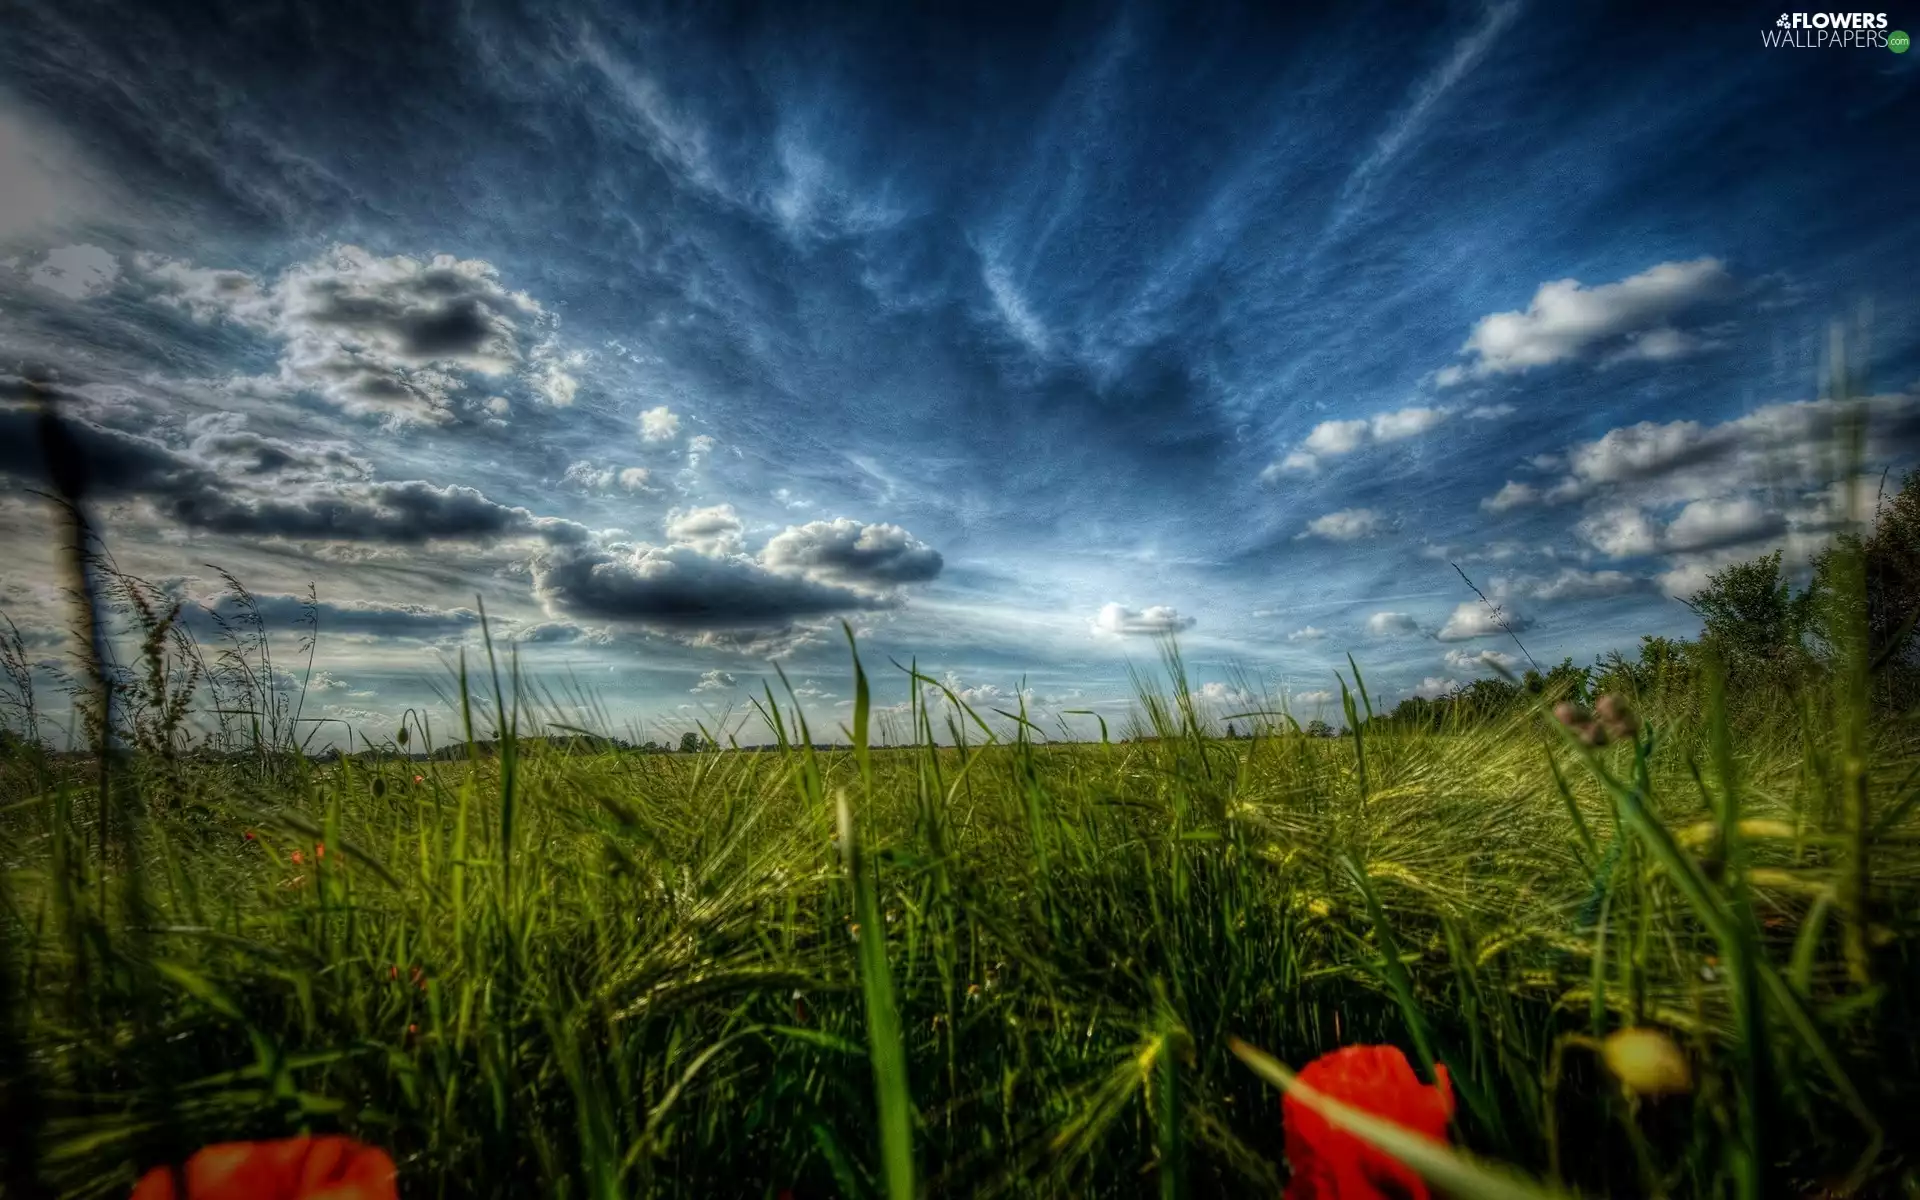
[299, 1168]
[1332, 1164]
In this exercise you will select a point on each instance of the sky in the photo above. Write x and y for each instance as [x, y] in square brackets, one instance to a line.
[1015, 338]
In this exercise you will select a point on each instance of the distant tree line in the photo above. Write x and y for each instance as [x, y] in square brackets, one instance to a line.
[1861, 599]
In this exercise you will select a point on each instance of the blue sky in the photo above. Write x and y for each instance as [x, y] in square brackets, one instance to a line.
[1013, 338]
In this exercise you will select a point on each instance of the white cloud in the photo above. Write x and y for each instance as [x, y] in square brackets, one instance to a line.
[1315, 697]
[1567, 320]
[1433, 687]
[1462, 660]
[1408, 422]
[400, 338]
[634, 479]
[1336, 437]
[77, 272]
[1389, 624]
[1349, 524]
[1307, 633]
[715, 529]
[1621, 532]
[587, 477]
[1473, 619]
[1333, 439]
[1573, 583]
[1707, 524]
[659, 424]
[1118, 620]
[698, 447]
[713, 681]
[1215, 692]
[1513, 495]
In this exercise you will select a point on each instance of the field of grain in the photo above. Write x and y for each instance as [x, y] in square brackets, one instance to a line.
[993, 965]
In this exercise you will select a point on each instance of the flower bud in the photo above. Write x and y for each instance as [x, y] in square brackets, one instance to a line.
[1647, 1062]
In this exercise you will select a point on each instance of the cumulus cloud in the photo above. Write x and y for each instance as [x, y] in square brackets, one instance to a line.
[659, 424]
[1474, 619]
[1216, 693]
[1619, 532]
[715, 529]
[703, 584]
[77, 272]
[1705, 495]
[1332, 439]
[1710, 524]
[850, 554]
[1617, 321]
[399, 337]
[1320, 696]
[1308, 633]
[1347, 525]
[713, 681]
[1462, 660]
[1120, 621]
[1390, 624]
[634, 479]
[1433, 687]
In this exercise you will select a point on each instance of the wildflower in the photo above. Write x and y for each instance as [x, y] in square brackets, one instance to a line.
[1332, 1164]
[299, 859]
[298, 1168]
[1647, 1062]
[249, 835]
[419, 778]
[420, 978]
[1617, 717]
[1580, 722]
[319, 851]
[393, 972]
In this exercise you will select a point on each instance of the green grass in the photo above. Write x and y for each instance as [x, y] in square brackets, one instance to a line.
[1008, 967]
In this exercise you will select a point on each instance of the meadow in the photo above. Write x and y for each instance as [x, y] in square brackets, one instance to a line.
[530, 961]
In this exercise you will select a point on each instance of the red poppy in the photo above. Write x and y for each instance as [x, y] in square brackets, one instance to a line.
[300, 1168]
[1331, 1164]
[298, 859]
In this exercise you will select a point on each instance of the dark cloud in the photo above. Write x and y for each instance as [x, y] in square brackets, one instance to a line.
[364, 618]
[680, 587]
[300, 498]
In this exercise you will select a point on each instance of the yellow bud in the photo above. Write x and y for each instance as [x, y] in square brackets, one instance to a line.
[1647, 1062]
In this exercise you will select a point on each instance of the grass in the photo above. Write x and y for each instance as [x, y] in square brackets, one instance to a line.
[1004, 967]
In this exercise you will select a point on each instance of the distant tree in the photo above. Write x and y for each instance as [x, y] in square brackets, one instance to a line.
[1883, 570]
[1319, 729]
[1751, 617]
[689, 742]
[1231, 735]
[1562, 682]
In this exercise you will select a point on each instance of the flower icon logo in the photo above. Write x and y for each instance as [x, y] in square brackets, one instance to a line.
[1783, 22]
